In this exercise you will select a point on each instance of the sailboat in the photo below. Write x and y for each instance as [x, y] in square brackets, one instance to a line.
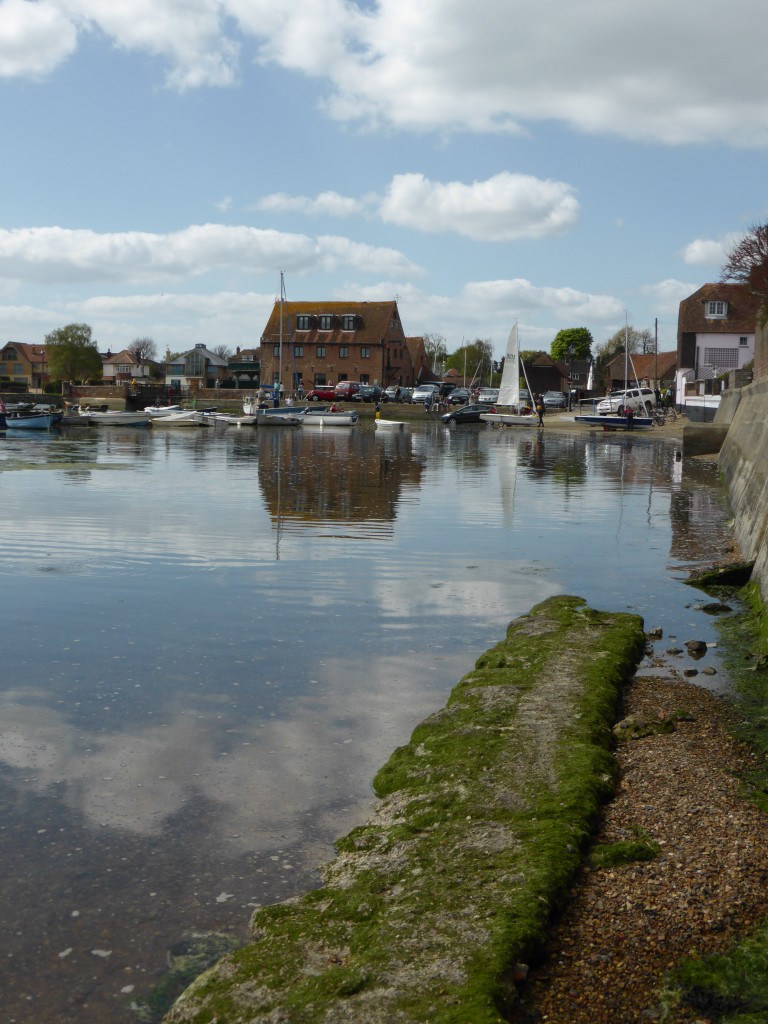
[509, 389]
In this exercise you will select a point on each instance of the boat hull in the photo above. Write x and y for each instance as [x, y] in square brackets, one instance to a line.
[42, 421]
[329, 419]
[615, 422]
[119, 419]
[510, 419]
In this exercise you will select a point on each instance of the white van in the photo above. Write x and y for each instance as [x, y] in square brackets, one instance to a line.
[640, 400]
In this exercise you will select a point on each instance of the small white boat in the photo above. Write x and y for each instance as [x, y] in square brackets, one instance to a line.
[232, 421]
[326, 418]
[510, 419]
[282, 416]
[184, 418]
[156, 411]
[118, 419]
[390, 424]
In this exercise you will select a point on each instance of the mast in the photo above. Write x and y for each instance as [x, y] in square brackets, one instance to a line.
[280, 346]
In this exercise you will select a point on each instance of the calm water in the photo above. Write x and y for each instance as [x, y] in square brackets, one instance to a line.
[213, 639]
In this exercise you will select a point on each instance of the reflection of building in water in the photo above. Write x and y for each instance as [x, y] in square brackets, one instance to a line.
[334, 476]
[698, 514]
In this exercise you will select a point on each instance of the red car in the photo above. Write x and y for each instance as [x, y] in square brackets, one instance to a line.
[321, 393]
[347, 389]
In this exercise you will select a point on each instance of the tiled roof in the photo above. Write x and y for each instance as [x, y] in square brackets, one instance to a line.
[742, 311]
[374, 319]
[647, 367]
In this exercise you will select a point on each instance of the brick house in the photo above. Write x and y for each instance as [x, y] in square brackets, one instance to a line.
[657, 369]
[23, 365]
[327, 342]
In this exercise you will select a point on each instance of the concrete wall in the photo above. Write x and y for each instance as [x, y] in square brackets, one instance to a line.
[744, 464]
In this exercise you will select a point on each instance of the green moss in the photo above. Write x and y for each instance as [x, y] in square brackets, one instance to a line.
[627, 851]
[474, 844]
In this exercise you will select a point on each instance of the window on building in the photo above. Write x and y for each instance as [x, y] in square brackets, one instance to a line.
[275, 350]
[123, 368]
[298, 351]
[721, 358]
[365, 352]
[320, 378]
[303, 322]
[320, 352]
[743, 341]
[348, 322]
[343, 352]
[716, 308]
[365, 378]
[10, 354]
[325, 321]
[343, 376]
[18, 368]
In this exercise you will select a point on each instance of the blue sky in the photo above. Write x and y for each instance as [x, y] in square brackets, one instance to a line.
[559, 164]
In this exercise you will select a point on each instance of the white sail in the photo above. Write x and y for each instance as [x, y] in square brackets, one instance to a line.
[509, 390]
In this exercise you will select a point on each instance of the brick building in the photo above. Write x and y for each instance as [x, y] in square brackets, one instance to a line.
[309, 343]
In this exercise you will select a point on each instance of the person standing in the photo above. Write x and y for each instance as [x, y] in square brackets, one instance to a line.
[540, 409]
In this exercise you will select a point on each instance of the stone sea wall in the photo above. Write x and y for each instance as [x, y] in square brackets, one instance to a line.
[744, 465]
[433, 907]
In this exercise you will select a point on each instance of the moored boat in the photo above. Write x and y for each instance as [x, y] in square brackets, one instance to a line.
[183, 418]
[118, 419]
[33, 420]
[326, 418]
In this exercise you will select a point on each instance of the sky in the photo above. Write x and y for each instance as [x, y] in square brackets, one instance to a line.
[563, 163]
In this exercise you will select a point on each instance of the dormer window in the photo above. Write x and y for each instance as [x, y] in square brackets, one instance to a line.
[716, 309]
[303, 322]
[349, 322]
[325, 322]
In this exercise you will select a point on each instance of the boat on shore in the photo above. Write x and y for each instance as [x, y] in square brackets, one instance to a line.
[157, 411]
[615, 422]
[282, 416]
[516, 414]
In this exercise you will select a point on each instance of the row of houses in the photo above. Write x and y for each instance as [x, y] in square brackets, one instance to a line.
[309, 343]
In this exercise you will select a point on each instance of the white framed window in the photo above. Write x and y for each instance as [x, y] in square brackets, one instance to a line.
[743, 341]
[716, 309]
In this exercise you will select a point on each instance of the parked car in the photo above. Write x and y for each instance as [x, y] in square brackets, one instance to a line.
[425, 392]
[467, 413]
[640, 400]
[396, 393]
[459, 395]
[321, 393]
[488, 394]
[347, 389]
[367, 393]
[555, 400]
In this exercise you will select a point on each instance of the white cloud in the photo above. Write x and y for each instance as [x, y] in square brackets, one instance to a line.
[489, 66]
[34, 38]
[58, 254]
[517, 296]
[710, 252]
[329, 204]
[668, 294]
[502, 208]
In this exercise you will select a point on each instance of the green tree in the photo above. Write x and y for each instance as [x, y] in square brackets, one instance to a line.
[474, 358]
[573, 343]
[72, 354]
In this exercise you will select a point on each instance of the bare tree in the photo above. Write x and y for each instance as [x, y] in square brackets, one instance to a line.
[143, 350]
[222, 351]
[747, 262]
[436, 350]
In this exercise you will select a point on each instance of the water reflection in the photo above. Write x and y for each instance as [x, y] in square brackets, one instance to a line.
[213, 639]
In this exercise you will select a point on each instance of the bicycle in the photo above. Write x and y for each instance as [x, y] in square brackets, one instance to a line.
[660, 416]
